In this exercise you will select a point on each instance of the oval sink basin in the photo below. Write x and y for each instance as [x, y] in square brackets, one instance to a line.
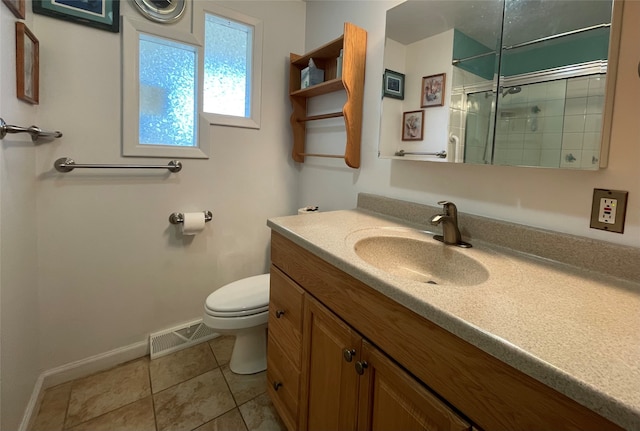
[418, 260]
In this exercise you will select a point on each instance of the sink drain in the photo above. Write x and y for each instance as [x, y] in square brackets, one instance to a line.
[431, 282]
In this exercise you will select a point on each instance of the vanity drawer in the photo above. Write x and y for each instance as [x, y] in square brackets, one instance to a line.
[283, 383]
[285, 315]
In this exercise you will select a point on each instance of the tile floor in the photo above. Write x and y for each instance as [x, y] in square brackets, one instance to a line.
[192, 389]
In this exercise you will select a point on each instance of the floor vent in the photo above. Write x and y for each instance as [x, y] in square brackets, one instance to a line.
[178, 338]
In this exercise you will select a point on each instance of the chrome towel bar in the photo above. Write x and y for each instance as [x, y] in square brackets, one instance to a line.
[440, 154]
[177, 218]
[35, 131]
[65, 164]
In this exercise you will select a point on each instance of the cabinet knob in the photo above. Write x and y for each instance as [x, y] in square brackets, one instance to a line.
[348, 354]
[279, 313]
[277, 385]
[361, 366]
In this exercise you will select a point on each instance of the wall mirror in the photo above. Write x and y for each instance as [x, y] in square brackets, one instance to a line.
[525, 82]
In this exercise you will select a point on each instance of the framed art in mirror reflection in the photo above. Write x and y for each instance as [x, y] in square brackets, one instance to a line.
[393, 84]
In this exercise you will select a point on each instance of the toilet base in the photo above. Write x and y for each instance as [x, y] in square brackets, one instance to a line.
[249, 355]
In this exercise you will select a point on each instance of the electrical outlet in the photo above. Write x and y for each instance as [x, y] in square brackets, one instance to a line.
[608, 210]
[607, 213]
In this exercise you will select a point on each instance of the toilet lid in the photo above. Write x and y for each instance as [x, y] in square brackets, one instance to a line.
[240, 298]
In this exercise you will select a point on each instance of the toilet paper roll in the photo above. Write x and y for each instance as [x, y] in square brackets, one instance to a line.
[312, 209]
[193, 223]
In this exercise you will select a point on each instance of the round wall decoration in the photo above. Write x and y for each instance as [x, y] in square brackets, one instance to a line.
[163, 11]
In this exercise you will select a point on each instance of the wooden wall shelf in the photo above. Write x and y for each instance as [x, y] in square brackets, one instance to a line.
[353, 43]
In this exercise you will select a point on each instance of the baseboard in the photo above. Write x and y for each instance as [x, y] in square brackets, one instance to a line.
[33, 405]
[77, 369]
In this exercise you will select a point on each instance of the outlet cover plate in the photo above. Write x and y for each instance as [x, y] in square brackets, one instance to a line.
[621, 209]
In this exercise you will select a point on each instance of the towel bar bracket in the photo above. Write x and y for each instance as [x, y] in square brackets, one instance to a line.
[35, 131]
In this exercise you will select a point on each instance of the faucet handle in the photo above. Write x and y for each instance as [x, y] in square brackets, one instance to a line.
[449, 208]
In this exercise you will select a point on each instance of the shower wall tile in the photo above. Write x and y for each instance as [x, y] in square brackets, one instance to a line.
[554, 108]
[576, 106]
[531, 157]
[595, 104]
[593, 123]
[591, 141]
[597, 85]
[574, 124]
[551, 141]
[571, 159]
[517, 125]
[514, 156]
[550, 158]
[590, 159]
[577, 87]
[572, 141]
[532, 141]
[456, 102]
[556, 90]
[553, 124]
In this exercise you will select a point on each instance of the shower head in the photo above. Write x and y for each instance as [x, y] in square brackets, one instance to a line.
[511, 90]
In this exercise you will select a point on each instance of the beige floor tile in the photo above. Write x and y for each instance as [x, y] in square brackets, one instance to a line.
[230, 421]
[192, 403]
[222, 348]
[259, 414]
[53, 409]
[106, 391]
[181, 366]
[245, 387]
[137, 416]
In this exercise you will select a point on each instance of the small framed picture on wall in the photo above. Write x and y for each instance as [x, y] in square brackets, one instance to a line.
[412, 129]
[17, 7]
[102, 14]
[393, 84]
[27, 64]
[433, 90]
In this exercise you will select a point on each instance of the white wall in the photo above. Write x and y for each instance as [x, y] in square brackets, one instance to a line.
[19, 359]
[112, 268]
[558, 200]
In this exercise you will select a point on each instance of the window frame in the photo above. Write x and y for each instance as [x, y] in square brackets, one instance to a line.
[131, 146]
[200, 10]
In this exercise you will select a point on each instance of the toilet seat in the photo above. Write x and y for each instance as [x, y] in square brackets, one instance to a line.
[245, 297]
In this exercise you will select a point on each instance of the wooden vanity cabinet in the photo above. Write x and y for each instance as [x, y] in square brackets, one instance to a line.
[284, 346]
[329, 395]
[348, 384]
[417, 375]
[391, 399]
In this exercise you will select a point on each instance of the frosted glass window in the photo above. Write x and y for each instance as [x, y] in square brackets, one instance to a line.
[227, 67]
[167, 98]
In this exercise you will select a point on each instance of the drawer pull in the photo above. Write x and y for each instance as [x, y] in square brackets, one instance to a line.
[361, 366]
[277, 385]
[348, 354]
[279, 313]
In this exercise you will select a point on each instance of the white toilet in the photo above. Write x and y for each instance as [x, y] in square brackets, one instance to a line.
[241, 308]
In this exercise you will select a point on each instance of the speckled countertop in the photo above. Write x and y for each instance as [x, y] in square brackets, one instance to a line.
[577, 331]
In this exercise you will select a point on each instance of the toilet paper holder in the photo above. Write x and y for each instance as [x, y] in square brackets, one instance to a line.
[177, 218]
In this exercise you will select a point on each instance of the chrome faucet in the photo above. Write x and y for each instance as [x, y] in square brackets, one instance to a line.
[449, 221]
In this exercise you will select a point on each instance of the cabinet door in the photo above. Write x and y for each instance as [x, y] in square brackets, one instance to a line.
[391, 399]
[329, 381]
